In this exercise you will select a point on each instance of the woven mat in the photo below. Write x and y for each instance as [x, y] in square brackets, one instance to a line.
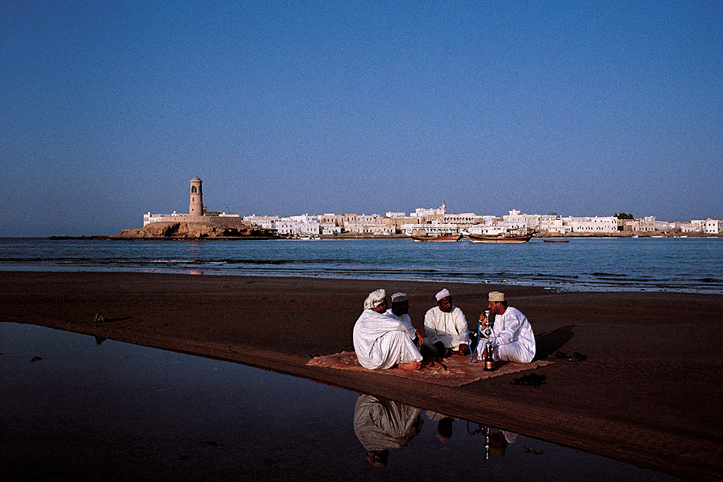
[454, 371]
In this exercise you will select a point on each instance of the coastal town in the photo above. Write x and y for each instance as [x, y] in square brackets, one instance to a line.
[433, 223]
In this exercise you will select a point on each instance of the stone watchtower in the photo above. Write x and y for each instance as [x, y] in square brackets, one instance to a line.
[195, 207]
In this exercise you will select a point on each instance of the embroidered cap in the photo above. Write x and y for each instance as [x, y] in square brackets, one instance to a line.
[497, 296]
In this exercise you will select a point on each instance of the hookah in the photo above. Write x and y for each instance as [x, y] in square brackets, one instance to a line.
[490, 364]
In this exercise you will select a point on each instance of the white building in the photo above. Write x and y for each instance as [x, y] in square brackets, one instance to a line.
[704, 226]
[487, 229]
[591, 225]
[429, 229]
[303, 225]
[369, 224]
[487, 220]
[508, 226]
[424, 213]
[663, 225]
[149, 218]
[713, 226]
[330, 228]
[376, 229]
[290, 227]
[461, 218]
[647, 224]
[531, 221]
[367, 218]
[689, 227]
[266, 222]
[698, 225]
[553, 224]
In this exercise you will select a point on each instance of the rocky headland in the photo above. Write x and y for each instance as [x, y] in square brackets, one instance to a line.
[183, 230]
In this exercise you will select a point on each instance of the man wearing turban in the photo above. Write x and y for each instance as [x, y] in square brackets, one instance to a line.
[445, 327]
[400, 312]
[512, 337]
[381, 341]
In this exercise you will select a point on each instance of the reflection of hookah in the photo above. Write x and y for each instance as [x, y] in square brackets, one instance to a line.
[484, 430]
[489, 361]
[488, 431]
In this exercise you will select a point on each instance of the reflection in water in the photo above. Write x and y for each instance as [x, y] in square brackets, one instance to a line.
[75, 408]
[496, 441]
[444, 425]
[381, 425]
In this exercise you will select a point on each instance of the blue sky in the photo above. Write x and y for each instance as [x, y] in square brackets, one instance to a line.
[108, 109]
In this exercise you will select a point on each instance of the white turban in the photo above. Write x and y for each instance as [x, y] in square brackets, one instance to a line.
[442, 294]
[399, 297]
[375, 299]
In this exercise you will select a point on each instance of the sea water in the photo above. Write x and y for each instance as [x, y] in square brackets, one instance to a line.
[583, 264]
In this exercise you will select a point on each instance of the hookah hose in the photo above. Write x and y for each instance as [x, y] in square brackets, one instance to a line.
[476, 339]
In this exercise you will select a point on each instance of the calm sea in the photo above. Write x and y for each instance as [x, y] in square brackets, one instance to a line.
[591, 264]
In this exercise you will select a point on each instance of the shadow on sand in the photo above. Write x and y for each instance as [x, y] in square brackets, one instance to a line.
[551, 342]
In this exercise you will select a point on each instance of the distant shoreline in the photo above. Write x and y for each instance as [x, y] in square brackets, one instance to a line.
[343, 237]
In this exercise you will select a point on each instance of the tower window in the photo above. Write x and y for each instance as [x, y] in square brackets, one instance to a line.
[193, 189]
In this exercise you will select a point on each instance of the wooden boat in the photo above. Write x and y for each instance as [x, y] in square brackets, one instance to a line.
[556, 240]
[501, 238]
[442, 238]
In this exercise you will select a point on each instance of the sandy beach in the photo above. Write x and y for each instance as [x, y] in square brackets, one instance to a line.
[648, 392]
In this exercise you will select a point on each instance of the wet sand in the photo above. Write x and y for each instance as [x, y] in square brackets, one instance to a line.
[648, 392]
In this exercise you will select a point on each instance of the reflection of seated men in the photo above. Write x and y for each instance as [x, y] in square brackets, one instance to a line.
[499, 441]
[381, 341]
[444, 425]
[445, 327]
[381, 425]
[512, 337]
[400, 312]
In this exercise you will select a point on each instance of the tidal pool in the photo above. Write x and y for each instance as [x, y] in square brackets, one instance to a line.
[76, 408]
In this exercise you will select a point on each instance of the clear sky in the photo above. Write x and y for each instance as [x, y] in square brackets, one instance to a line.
[108, 109]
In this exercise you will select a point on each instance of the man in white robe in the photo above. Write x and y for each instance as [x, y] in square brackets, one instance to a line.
[512, 337]
[445, 327]
[400, 312]
[381, 341]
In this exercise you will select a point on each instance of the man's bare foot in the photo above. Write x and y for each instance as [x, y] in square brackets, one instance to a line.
[410, 367]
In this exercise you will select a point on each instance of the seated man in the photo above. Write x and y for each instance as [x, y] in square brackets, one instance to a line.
[445, 327]
[400, 312]
[381, 341]
[512, 337]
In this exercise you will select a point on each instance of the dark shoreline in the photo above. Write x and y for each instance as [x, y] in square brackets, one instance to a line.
[644, 350]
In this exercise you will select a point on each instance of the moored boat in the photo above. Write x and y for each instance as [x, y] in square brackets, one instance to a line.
[500, 238]
[443, 238]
